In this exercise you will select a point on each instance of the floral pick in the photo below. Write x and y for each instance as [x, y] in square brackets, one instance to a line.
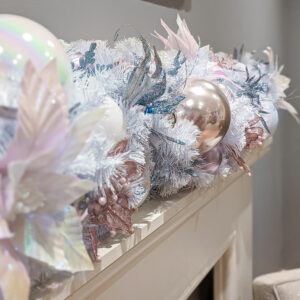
[281, 84]
[183, 40]
[35, 194]
[110, 207]
[283, 104]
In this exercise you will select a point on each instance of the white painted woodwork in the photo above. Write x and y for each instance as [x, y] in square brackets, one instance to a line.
[175, 244]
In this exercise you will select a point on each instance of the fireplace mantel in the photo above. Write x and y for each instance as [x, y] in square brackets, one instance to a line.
[175, 244]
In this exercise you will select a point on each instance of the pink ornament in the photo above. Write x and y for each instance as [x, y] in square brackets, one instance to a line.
[213, 160]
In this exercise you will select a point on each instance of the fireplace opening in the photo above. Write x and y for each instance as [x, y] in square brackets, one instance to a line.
[205, 290]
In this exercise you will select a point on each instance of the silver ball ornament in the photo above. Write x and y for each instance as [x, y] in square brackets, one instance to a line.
[207, 106]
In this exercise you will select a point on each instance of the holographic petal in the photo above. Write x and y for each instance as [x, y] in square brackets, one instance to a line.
[55, 239]
[42, 115]
[14, 280]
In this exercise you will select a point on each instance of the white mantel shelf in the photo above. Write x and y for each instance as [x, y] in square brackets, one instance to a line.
[162, 261]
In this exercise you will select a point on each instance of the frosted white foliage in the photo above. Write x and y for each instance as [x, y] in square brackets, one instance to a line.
[172, 160]
[241, 114]
[164, 150]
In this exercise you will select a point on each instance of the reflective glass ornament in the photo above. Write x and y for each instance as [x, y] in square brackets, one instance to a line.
[213, 159]
[207, 106]
[22, 39]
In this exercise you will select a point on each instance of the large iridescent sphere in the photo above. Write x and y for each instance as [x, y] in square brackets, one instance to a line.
[21, 40]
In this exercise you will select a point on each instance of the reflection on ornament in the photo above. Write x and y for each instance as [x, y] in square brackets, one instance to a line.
[213, 159]
[22, 39]
[226, 91]
[206, 105]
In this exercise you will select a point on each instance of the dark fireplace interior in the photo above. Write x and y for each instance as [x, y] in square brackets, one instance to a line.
[205, 290]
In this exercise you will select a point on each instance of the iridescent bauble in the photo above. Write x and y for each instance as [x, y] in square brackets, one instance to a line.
[207, 106]
[21, 40]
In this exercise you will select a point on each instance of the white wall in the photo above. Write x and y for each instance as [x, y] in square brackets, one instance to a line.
[291, 145]
[223, 24]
